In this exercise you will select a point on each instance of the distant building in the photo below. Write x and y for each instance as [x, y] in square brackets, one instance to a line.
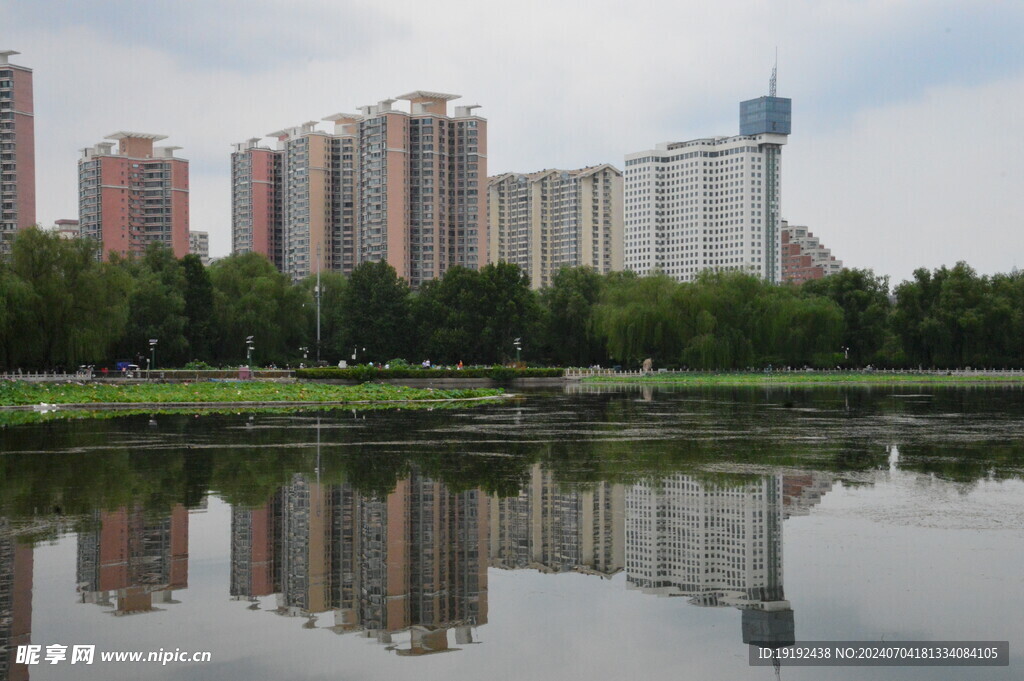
[17, 150]
[551, 219]
[804, 257]
[67, 229]
[712, 203]
[405, 187]
[199, 244]
[134, 196]
[256, 200]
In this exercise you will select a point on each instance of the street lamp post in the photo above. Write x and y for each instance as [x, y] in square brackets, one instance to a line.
[152, 353]
[318, 305]
[518, 343]
[249, 347]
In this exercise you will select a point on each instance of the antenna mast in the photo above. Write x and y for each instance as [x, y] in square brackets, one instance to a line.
[775, 73]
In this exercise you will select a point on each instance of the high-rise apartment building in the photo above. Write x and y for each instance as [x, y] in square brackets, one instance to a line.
[133, 196]
[551, 219]
[386, 184]
[199, 244]
[804, 257]
[17, 150]
[256, 200]
[710, 204]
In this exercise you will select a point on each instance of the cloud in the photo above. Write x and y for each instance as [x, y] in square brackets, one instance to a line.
[230, 35]
[926, 183]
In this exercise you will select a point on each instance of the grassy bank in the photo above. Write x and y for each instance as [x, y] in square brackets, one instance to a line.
[19, 393]
[811, 378]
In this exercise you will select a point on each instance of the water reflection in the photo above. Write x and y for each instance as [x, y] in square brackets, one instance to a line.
[384, 528]
[131, 561]
[411, 561]
[16, 560]
[414, 561]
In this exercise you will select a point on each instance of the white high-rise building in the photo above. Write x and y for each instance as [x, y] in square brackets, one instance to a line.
[710, 204]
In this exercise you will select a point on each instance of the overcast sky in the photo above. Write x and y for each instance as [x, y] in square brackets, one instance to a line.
[906, 147]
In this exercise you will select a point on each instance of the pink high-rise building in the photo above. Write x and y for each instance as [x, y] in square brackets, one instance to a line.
[17, 151]
[256, 200]
[408, 187]
[133, 196]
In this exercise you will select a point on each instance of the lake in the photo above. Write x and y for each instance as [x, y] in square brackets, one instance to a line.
[599, 532]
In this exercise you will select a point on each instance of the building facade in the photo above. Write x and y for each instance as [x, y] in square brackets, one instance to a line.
[551, 219]
[256, 201]
[710, 204]
[199, 244]
[133, 196]
[17, 150]
[67, 228]
[804, 257]
[386, 184]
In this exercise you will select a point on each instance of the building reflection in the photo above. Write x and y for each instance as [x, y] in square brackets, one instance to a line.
[133, 561]
[719, 544]
[558, 530]
[407, 563]
[16, 560]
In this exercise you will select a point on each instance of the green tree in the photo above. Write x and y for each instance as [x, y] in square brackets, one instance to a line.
[450, 315]
[475, 316]
[375, 312]
[641, 318]
[570, 335]
[69, 308]
[946, 318]
[199, 310]
[863, 298]
[512, 311]
[333, 342]
[251, 298]
[156, 308]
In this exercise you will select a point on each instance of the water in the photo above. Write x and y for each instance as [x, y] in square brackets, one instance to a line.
[596, 534]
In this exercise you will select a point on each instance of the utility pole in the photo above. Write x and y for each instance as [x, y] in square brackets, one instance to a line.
[318, 304]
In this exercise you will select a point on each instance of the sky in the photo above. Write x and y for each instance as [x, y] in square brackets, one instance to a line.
[904, 153]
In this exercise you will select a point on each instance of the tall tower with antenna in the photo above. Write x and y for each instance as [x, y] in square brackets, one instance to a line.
[769, 121]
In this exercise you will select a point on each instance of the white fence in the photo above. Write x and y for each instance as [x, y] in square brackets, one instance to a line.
[143, 375]
[45, 376]
[587, 373]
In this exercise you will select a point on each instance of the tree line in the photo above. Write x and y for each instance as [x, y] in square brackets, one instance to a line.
[60, 308]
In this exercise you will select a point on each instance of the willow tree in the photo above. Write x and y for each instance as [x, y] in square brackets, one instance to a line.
[63, 306]
[640, 318]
